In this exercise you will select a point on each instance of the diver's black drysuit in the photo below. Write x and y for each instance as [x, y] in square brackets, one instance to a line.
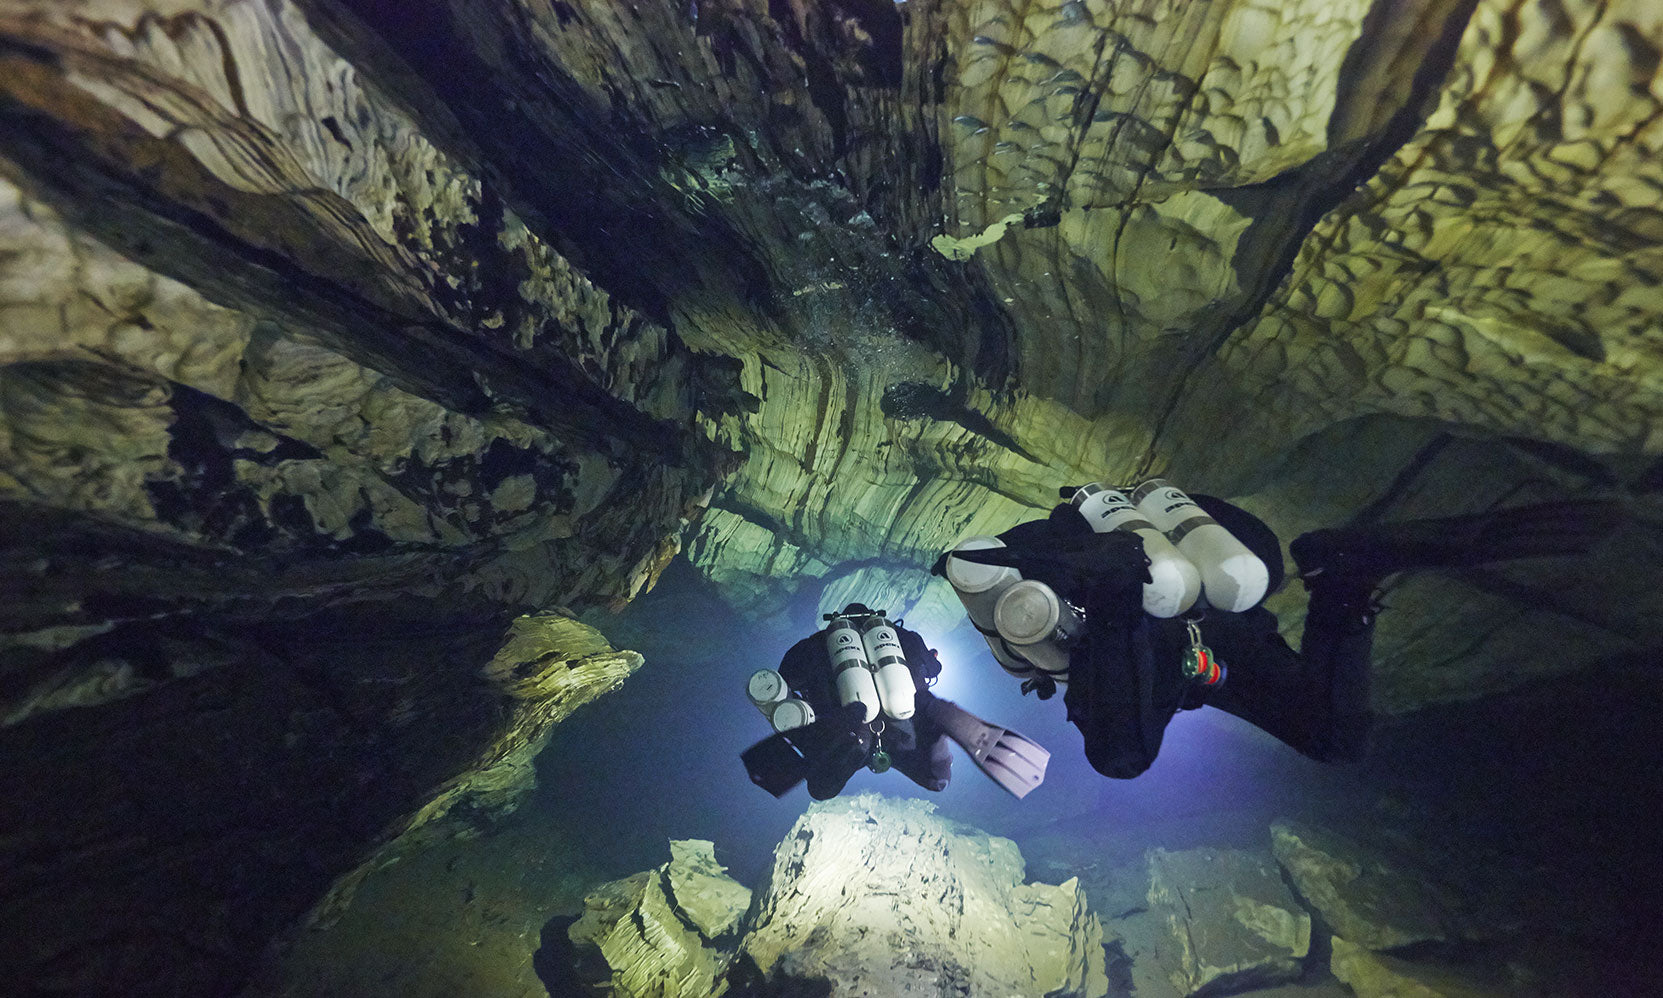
[1125, 680]
[829, 751]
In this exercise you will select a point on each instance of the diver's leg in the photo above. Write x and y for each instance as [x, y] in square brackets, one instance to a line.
[1373, 551]
[928, 764]
[1342, 568]
[1337, 649]
[1315, 700]
[834, 750]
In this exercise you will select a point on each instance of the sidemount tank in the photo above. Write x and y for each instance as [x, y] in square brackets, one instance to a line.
[979, 588]
[1174, 582]
[1233, 578]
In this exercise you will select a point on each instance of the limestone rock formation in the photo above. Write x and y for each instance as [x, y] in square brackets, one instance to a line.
[873, 895]
[665, 933]
[549, 665]
[1375, 975]
[1230, 923]
[156, 849]
[328, 322]
[1372, 900]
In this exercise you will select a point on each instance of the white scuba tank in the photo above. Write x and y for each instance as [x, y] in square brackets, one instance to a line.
[853, 671]
[1039, 625]
[1232, 577]
[979, 588]
[889, 666]
[769, 692]
[1174, 581]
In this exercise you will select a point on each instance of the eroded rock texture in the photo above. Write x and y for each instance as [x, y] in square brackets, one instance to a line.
[1367, 897]
[156, 848]
[324, 323]
[1230, 923]
[665, 933]
[877, 896]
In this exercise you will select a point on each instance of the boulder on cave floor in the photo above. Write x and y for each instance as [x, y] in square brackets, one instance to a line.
[878, 896]
[1376, 975]
[1374, 900]
[1219, 921]
[664, 933]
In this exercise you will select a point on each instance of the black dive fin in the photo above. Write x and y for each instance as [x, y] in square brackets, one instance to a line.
[1554, 529]
[774, 765]
[1113, 558]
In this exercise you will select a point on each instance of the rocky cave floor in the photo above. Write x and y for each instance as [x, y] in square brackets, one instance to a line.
[1532, 813]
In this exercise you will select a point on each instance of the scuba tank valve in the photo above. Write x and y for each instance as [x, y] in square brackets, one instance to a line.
[1039, 624]
[1174, 582]
[850, 667]
[1233, 578]
[889, 665]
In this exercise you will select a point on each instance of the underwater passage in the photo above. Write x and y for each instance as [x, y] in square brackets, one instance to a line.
[442, 443]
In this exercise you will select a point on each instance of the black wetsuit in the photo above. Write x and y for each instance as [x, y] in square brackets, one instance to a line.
[1125, 679]
[829, 751]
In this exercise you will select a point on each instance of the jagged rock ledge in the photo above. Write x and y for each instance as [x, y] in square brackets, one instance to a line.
[867, 895]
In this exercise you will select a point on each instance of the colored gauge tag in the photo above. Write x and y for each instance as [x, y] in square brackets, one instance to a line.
[1199, 663]
[1198, 660]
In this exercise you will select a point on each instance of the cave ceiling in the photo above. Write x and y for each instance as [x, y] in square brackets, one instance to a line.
[505, 302]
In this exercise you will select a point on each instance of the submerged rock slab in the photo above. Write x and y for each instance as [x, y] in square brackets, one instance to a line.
[1367, 897]
[656, 934]
[1374, 975]
[1231, 924]
[883, 897]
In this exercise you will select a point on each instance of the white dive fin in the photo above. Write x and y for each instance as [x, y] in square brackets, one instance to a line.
[1009, 759]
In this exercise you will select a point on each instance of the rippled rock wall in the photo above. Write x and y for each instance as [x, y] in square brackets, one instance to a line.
[325, 321]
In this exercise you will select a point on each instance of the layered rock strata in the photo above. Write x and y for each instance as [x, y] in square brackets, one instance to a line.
[1369, 899]
[1230, 923]
[322, 321]
[665, 933]
[876, 896]
[158, 847]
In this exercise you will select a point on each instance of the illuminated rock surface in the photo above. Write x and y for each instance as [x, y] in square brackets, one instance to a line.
[1230, 923]
[666, 933]
[1373, 975]
[1370, 899]
[334, 334]
[880, 896]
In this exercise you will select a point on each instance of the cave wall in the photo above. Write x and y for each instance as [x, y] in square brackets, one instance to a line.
[333, 322]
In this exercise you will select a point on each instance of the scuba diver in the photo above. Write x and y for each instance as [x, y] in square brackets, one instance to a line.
[1146, 601]
[857, 693]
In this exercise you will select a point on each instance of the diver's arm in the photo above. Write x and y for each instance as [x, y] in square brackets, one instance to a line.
[807, 672]
[1114, 694]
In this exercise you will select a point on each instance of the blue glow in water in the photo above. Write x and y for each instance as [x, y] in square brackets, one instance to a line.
[659, 758]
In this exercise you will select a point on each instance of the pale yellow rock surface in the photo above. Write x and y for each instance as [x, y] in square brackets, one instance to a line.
[1369, 898]
[1230, 923]
[548, 666]
[1375, 975]
[664, 933]
[303, 309]
[878, 895]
